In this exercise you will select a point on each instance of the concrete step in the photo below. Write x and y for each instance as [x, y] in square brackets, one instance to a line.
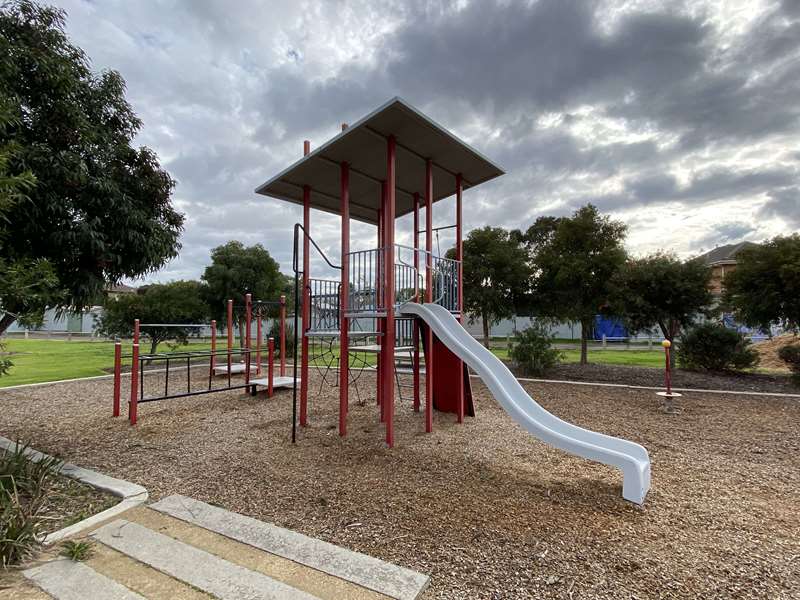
[64, 579]
[360, 569]
[193, 566]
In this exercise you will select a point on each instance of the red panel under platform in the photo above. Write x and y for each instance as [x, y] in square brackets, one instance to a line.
[447, 367]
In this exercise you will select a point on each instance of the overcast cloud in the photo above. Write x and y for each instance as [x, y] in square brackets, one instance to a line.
[681, 119]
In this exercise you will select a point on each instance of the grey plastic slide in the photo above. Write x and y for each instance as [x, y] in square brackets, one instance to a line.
[629, 457]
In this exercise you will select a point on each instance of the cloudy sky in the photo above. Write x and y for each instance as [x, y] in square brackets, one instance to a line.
[681, 119]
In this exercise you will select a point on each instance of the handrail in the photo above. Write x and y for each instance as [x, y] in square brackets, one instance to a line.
[297, 227]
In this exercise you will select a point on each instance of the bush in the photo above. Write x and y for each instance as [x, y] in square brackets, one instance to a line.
[532, 350]
[791, 356]
[275, 332]
[23, 494]
[714, 347]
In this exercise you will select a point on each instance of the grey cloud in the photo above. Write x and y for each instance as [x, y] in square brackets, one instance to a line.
[783, 204]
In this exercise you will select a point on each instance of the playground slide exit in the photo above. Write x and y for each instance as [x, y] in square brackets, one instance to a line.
[631, 458]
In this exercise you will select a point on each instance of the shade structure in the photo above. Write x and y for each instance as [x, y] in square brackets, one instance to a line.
[363, 147]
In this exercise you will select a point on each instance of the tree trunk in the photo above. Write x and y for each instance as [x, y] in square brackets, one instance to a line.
[586, 325]
[485, 330]
[5, 322]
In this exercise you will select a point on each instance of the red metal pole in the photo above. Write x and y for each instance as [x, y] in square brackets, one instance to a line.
[306, 309]
[344, 300]
[136, 331]
[270, 365]
[379, 306]
[258, 346]
[134, 403]
[248, 312]
[429, 293]
[283, 335]
[117, 376]
[389, 334]
[415, 330]
[667, 373]
[460, 292]
[230, 338]
[213, 345]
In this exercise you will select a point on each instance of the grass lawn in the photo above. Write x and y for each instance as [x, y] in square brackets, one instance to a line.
[634, 358]
[37, 361]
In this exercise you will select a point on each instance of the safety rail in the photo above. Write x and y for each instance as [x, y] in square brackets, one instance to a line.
[365, 274]
[324, 297]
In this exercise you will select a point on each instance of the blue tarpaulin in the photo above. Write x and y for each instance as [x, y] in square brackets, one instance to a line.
[608, 327]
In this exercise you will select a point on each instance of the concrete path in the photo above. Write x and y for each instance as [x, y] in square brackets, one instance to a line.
[183, 549]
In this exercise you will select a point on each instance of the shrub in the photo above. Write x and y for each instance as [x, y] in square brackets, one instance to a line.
[714, 347]
[275, 332]
[791, 356]
[532, 350]
[23, 494]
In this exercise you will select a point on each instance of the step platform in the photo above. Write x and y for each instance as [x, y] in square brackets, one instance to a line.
[277, 382]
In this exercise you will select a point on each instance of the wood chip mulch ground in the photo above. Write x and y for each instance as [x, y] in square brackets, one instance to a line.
[483, 507]
[698, 380]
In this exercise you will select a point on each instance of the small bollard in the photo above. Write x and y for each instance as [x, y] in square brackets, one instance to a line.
[668, 395]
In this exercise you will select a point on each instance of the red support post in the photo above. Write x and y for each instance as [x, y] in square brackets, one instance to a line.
[389, 333]
[270, 365]
[134, 403]
[344, 299]
[415, 330]
[306, 309]
[248, 312]
[283, 335]
[258, 346]
[460, 293]
[213, 345]
[378, 302]
[117, 376]
[230, 339]
[429, 293]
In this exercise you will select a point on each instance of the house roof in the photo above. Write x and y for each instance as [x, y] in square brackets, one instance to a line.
[363, 146]
[724, 254]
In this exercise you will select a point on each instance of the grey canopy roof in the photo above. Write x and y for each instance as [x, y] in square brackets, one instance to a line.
[363, 146]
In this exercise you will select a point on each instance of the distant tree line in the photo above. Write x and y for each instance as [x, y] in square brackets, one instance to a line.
[574, 267]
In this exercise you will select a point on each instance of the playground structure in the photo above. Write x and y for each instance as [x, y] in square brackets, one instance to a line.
[377, 170]
[235, 361]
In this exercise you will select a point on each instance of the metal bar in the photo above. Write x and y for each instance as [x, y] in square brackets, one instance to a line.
[459, 289]
[379, 322]
[283, 335]
[306, 307]
[195, 393]
[428, 294]
[230, 339]
[188, 374]
[166, 378]
[258, 346]
[344, 290]
[132, 407]
[213, 345]
[389, 210]
[117, 377]
[248, 322]
[270, 365]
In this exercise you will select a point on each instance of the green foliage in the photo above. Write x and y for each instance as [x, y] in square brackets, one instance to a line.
[574, 260]
[765, 287]
[713, 347]
[23, 494]
[100, 209]
[496, 275]
[532, 350]
[661, 290]
[77, 550]
[175, 302]
[236, 270]
[275, 332]
[791, 356]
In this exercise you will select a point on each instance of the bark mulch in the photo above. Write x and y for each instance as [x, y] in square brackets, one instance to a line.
[483, 507]
[648, 376]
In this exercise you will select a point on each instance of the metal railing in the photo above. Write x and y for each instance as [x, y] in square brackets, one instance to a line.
[324, 297]
[365, 269]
